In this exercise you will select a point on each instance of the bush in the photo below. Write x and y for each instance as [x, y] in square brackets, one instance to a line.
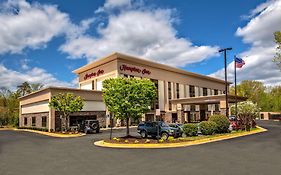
[33, 128]
[222, 123]
[190, 129]
[208, 127]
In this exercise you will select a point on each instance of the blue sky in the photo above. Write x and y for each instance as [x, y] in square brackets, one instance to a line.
[45, 40]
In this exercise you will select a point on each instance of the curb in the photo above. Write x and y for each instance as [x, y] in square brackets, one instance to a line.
[50, 134]
[101, 143]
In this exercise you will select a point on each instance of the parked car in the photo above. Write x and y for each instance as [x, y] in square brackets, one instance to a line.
[179, 131]
[235, 124]
[89, 126]
[150, 129]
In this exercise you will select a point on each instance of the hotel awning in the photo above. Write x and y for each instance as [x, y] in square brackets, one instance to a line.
[212, 99]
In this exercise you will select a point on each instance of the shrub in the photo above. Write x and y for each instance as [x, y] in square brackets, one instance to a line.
[208, 127]
[136, 141]
[147, 141]
[222, 123]
[190, 129]
[171, 139]
[160, 140]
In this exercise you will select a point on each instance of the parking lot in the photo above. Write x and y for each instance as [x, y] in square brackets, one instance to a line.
[29, 153]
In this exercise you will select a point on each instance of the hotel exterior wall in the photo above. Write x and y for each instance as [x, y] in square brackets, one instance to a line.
[165, 75]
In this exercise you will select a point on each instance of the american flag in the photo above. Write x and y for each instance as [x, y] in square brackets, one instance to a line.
[239, 62]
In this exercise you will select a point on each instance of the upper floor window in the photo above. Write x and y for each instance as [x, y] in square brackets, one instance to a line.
[192, 91]
[178, 90]
[205, 92]
[216, 92]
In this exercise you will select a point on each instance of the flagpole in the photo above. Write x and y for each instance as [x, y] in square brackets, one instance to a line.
[235, 86]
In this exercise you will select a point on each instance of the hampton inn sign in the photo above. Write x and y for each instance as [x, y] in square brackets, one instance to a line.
[131, 69]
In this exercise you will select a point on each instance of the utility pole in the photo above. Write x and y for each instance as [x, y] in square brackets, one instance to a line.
[225, 79]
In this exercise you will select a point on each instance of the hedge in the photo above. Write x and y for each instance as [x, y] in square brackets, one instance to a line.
[34, 128]
[190, 129]
[222, 123]
[208, 127]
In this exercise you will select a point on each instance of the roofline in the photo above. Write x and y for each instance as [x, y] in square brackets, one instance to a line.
[49, 88]
[116, 55]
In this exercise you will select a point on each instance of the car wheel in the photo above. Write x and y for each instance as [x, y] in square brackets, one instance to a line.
[143, 134]
[164, 136]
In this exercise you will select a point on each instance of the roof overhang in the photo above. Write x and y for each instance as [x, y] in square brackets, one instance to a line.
[212, 99]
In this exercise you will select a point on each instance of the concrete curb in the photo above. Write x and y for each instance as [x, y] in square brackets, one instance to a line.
[176, 145]
[50, 134]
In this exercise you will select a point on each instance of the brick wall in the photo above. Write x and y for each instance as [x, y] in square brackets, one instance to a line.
[38, 119]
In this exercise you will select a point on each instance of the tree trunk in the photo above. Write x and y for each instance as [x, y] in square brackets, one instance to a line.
[127, 123]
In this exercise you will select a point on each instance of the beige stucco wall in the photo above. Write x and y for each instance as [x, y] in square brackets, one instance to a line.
[94, 106]
[41, 106]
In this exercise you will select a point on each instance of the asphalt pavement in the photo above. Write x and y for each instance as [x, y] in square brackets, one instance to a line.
[24, 153]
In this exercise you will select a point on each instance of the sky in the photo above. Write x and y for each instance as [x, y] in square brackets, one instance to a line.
[44, 41]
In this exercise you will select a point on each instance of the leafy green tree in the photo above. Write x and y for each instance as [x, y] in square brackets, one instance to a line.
[275, 95]
[246, 112]
[277, 58]
[66, 103]
[254, 90]
[128, 97]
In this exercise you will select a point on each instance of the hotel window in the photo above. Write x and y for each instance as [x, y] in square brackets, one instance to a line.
[192, 108]
[25, 121]
[33, 121]
[192, 91]
[216, 92]
[217, 108]
[44, 121]
[170, 95]
[205, 92]
[178, 90]
[93, 85]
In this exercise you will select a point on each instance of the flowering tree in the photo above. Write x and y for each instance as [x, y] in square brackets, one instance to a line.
[247, 111]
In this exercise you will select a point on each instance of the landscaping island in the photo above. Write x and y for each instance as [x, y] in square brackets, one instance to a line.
[134, 142]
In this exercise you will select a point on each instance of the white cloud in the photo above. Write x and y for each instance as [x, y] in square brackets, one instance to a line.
[144, 33]
[112, 4]
[11, 79]
[259, 33]
[25, 25]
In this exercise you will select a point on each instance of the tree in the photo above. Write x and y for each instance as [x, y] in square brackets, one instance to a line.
[255, 91]
[66, 103]
[277, 58]
[247, 111]
[128, 97]
[26, 88]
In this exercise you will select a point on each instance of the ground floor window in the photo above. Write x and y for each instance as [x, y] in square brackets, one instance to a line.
[33, 122]
[25, 121]
[44, 121]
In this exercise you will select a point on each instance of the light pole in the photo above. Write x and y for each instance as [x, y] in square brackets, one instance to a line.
[225, 79]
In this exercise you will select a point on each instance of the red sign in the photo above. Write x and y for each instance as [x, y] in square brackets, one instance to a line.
[93, 74]
[124, 67]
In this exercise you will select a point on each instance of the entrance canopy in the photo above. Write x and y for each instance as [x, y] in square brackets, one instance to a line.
[212, 99]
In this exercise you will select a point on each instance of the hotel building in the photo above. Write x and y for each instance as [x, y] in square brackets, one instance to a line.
[182, 96]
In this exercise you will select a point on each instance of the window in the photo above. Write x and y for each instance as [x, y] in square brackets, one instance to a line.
[192, 91]
[178, 90]
[216, 92]
[192, 107]
[25, 121]
[205, 92]
[262, 116]
[170, 95]
[93, 85]
[44, 121]
[33, 122]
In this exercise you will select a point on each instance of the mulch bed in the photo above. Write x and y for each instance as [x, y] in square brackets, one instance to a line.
[139, 140]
